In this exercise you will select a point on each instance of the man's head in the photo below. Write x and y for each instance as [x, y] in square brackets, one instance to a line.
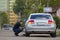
[20, 21]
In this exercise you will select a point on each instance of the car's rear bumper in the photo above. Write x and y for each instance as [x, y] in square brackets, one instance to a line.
[40, 30]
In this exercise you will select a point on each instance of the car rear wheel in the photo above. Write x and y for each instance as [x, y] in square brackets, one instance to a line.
[53, 34]
[27, 34]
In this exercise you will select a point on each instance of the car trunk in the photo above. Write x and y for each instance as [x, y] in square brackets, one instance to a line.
[41, 23]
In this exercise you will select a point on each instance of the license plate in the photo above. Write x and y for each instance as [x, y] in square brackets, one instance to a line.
[40, 23]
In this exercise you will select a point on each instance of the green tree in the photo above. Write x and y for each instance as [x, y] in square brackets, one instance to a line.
[19, 6]
[3, 18]
[25, 7]
[54, 2]
[51, 3]
[40, 8]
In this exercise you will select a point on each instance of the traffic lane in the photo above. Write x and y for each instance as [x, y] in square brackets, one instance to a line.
[22, 34]
[29, 38]
[9, 35]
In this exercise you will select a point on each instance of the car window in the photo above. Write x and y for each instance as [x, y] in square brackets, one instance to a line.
[40, 17]
[6, 26]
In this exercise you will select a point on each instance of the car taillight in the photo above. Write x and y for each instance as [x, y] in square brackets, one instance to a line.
[31, 22]
[51, 22]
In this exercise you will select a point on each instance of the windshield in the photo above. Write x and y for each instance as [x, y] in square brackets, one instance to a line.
[40, 17]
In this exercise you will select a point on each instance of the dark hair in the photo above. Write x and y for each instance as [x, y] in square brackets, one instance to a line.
[20, 20]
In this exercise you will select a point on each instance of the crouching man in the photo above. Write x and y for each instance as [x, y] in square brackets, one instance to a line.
[17, 28]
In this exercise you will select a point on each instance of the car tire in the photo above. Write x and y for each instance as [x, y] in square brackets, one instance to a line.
[53, 34]
[27, 34]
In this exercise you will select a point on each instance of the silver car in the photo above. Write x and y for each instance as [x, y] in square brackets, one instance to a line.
[40, 23]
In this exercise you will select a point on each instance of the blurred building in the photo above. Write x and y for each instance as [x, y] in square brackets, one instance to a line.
[11, 3]
[12, 16]
[7, 6]
[3, 5]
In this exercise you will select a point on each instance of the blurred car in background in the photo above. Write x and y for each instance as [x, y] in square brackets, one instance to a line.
[7, 27]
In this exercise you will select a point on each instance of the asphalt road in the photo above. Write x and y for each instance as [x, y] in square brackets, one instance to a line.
[9, 35]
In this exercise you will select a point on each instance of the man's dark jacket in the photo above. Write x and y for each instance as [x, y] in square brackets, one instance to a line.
[16, 27]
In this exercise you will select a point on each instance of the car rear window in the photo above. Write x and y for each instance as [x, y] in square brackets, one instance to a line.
[40, 17]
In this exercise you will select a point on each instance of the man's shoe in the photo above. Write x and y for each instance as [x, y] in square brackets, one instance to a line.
[16, 34]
